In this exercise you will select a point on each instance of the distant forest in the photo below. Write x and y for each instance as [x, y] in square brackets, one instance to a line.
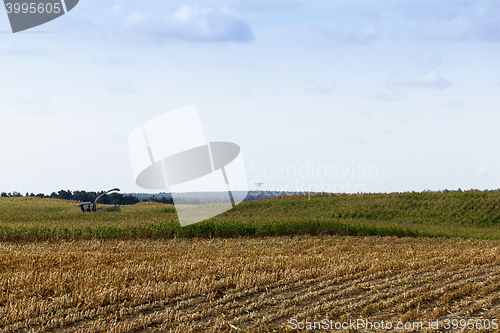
[84, 196]
[130, 199]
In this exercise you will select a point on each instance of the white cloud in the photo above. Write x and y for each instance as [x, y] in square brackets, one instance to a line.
[430, 9]
[121, 86]
[116, 9]
[426, 20]
[482, 171]
[454, 20]
[357, 140]
[33, 100]
[109, 59]
[382, 97]
[323, 87]
[455, 102]
[20, 48]
[350, 33]
[430, 80]
[261, 6]
[33, 105]
[36, 111]
[190, 23]
[430, 60]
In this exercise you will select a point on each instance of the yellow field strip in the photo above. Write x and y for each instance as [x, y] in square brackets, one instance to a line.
[243, 284]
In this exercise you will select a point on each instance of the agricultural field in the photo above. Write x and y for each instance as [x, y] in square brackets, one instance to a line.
[244, 284]
[459, 214]
[268, 266]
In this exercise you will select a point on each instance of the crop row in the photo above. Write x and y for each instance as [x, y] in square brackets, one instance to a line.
[243, 284]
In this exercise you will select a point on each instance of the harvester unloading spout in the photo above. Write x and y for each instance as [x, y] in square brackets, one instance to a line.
[88, 207]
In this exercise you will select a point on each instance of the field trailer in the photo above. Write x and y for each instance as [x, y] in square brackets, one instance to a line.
[88, 207]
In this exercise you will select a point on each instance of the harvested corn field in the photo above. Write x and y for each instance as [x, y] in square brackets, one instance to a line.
[246, 284]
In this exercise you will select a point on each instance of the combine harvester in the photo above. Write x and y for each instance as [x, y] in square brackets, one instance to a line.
[88, 207]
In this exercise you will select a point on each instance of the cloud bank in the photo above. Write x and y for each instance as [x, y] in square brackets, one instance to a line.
[426, 20]
[192, 24]
[431, 80]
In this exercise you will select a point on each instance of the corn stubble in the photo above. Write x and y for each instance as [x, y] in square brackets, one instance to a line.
[243, 284]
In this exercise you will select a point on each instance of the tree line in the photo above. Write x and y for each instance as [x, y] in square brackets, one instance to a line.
[130, 199]
[84, 196]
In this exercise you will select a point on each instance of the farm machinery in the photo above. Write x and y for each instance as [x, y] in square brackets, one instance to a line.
[88, 207]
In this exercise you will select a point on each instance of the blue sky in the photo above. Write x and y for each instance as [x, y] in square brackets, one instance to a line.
[409, 90]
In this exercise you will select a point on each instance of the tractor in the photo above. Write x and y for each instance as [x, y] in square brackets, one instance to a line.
[88, 207]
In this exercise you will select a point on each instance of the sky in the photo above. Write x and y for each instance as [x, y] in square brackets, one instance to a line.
[335, 96]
